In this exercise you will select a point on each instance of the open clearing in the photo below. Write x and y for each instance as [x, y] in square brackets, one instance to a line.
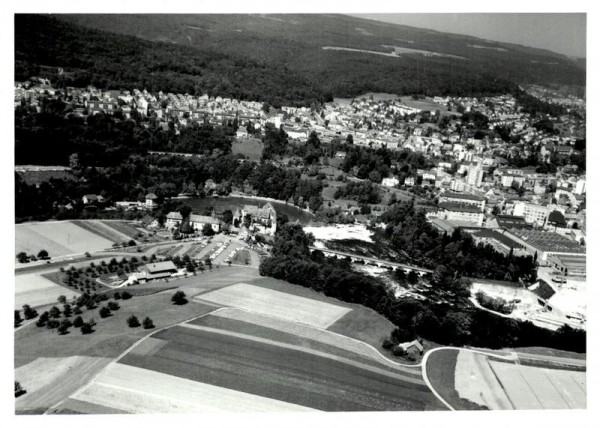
[34, 290]
[256, 367]
[59, 238]
[49, 380]
[277, 304]
[103, 230]
[137, 390]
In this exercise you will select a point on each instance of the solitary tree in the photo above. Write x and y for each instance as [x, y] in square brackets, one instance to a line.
[207, 230]
[133, 322]
[43, 254]
[62, 299]
[64, 327]
[148, 323]
[77, 322]
[54, 312]
[19, 389]
[86, 328]
[113, 306]
[179, 298]
[117, 295]
[125, 295]
[22, 257]
[104, 312]
[67, 311]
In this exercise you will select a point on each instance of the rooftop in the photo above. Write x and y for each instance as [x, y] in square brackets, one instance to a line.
[547, 241]
[464, 196]
[454, 206]
[153, 268]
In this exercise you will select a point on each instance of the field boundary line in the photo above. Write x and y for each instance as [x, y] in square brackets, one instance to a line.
[330, 332]
[428, 353]
[321, 354]
[116, 360]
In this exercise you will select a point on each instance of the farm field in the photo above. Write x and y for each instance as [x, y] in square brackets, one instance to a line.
[265, 327]
[277, 304]
[35, 290]
[102, 229]
[278, 372]
[49, 380]
[534, 388]
[125, 228]
[441, 367]
[112, 336]
[59, 238]
[467, 379]
[138, 390]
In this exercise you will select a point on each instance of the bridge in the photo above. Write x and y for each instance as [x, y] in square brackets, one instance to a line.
[356, 258]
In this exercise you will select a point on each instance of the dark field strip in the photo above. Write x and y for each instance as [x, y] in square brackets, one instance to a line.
[122, 227]
[77, 407]
[280, 336]
[97, 230]
[279, 373]
[440, 372]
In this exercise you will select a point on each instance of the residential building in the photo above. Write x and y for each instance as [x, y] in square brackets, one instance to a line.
[463, 198]
[460, 212]
[174, 219]
[197, 222]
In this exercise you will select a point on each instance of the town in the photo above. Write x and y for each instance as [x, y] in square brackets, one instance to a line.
[409, 244]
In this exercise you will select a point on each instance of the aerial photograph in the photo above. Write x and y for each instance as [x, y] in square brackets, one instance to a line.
[310, 212]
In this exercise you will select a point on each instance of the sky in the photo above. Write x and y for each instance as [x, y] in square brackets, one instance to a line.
[564, 33]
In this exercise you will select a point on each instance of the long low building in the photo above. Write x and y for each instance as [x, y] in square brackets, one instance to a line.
[460, 212]
[545, 244]
[570, 265]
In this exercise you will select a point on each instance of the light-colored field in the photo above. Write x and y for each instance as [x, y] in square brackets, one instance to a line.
[540, 388]
[308, 332]
[475, 381]
[50, 380]
[34, 290]
[136, 390]
[277, 304]
[59, 238]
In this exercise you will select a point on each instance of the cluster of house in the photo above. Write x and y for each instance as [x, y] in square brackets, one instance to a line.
[253, 218]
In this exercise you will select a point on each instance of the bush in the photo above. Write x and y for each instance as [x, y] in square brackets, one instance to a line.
[113, 306]
[179, 298]
[126, 295]
[133, 322]
[117, 295]
[148, 323]
[104, 312]
[399, 352]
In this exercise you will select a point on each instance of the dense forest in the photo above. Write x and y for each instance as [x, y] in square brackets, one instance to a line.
[457, 324]
[413, 236]
[112, 61]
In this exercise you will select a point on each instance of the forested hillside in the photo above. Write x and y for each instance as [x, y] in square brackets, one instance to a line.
[275, 58]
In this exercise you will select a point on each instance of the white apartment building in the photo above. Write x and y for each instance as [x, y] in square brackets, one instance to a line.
[533, 213]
